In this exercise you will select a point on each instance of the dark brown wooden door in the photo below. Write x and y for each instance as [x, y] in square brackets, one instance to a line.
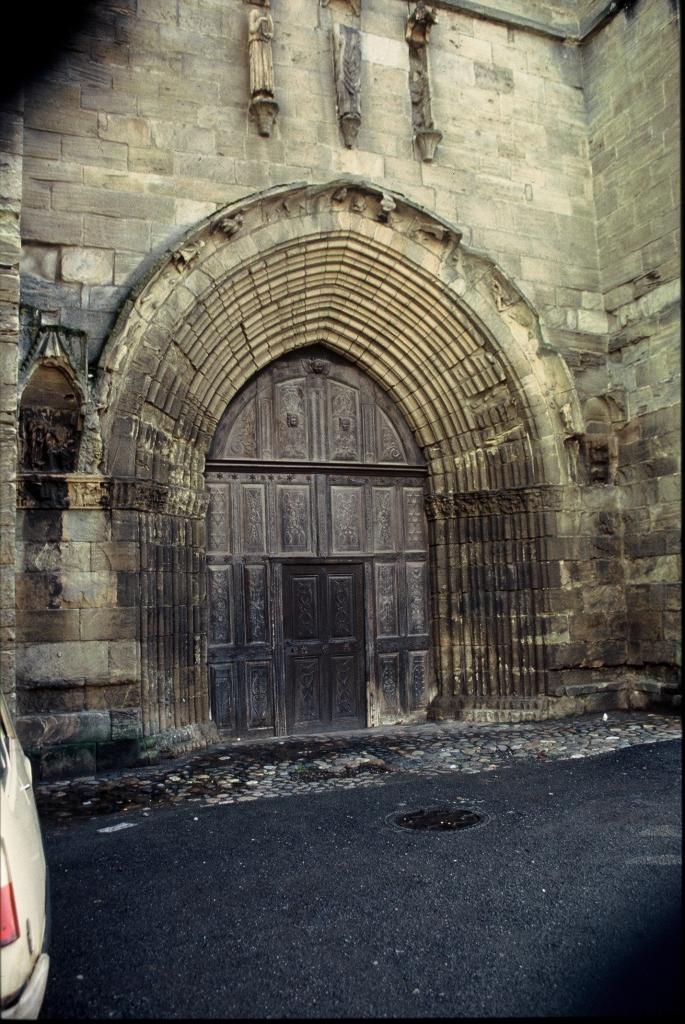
[317, 555]
[323, 641]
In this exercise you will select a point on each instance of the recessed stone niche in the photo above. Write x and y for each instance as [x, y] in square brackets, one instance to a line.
[49, 424]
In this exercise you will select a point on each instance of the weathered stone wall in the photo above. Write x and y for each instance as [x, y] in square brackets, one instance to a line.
[142, 129]
[11, 149]
[631, 74]
[553, 18]
[589, 11]
[101, 584]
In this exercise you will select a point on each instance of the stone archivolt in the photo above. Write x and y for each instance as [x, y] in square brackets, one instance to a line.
[385, 284]
[387, 295]
[389, 286]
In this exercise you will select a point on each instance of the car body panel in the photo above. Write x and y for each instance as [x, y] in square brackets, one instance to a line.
[29, 1003]
[23, 962]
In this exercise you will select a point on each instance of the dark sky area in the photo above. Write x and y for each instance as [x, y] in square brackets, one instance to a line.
[37, 32]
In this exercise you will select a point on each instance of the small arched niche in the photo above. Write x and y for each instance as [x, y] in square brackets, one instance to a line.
[49, 422]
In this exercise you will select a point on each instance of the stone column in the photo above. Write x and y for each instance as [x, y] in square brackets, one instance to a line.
[172, 612]
[491, 577]
[11, 154]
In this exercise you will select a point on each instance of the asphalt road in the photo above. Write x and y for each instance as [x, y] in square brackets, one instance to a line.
[567, 901]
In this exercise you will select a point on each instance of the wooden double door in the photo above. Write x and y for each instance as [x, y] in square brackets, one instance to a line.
[317, 555]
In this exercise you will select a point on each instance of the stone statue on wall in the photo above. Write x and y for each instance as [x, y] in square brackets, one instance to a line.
[262, 88]
[91, 447]
[347, 53]
[417, 34]
[420, 98]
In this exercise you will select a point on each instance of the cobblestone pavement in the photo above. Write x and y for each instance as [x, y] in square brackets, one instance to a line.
[235, 771]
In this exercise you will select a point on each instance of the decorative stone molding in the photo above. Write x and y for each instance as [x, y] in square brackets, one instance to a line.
[149, 497]
[351, 193]
[69, 490]
[63, 347]
[89, 491]
[482, 503]
[347, 63]
[263, 105]
[417, 35]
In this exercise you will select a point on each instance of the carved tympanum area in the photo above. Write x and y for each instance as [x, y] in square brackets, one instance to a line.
[49, 423]
[317, 554]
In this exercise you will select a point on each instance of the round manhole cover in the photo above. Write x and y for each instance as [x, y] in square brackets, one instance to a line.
[438, 819]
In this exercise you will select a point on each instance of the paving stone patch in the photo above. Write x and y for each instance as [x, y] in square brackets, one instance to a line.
[235, 771]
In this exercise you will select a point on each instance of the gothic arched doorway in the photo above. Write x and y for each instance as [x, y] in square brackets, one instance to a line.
[317, 554]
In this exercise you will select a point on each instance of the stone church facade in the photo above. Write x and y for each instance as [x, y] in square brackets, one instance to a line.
[340, 370]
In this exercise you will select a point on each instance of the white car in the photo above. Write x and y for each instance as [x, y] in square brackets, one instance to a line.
[24, 904]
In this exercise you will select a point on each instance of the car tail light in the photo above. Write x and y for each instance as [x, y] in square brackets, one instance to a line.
[9, 922]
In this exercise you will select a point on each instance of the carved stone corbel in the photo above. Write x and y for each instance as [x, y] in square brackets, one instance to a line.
[417, 34]
[347, 56]
[263, 105]
[387, 205]
[186, 255]
[228, 224]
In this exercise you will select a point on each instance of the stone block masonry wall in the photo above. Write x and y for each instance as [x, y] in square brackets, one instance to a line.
[514, 154]
[557, 162]
[11, 148]
[77, 592]
[631, 72]
[98, 591]
[142, 128]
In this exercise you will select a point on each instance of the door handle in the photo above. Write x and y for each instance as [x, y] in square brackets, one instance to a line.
[297, 649]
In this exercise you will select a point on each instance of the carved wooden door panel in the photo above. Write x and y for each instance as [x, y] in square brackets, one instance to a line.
[323, 641]
[402, 628]
[317, 554]
[241, 664]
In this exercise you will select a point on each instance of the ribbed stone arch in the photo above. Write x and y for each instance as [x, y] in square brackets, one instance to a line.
[439, 328]
[456, 346]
